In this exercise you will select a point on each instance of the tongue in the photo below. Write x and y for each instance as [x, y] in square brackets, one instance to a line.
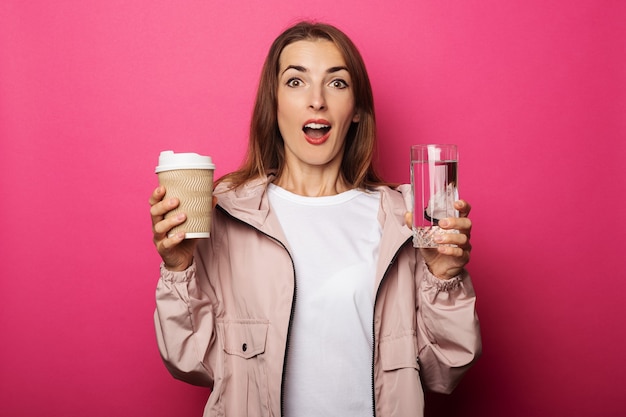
[315, 133]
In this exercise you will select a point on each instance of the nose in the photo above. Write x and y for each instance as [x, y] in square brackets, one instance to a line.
[317, 100]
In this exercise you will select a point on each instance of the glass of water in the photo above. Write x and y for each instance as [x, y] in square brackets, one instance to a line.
[435, 188]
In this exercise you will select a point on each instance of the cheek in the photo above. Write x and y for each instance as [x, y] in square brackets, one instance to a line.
[287, 127]
[349, 116]
[283, 119]
[285, 106]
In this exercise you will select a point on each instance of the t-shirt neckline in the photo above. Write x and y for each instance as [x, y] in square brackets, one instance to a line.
[323, 200]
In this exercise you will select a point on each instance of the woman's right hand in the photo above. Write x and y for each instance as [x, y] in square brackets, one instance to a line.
[176, 251]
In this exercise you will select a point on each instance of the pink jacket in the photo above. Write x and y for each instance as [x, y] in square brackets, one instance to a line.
[224, 322]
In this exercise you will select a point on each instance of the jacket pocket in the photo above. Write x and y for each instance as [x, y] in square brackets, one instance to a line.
[243, 383]
[245, 338]
[399, 383]
[397, 352]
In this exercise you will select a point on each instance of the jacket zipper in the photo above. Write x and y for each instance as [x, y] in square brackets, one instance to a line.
[293, 307]
[393, 260]
[293, 303]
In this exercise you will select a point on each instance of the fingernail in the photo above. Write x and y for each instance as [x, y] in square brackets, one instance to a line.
[438, 238]
[180, 216]
[444, 223]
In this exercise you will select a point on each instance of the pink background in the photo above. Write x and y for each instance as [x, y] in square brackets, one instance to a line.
[533, 92]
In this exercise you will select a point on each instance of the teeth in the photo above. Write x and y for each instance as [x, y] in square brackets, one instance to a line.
[316, 126]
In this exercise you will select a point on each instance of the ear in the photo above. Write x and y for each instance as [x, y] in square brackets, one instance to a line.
[356, 118]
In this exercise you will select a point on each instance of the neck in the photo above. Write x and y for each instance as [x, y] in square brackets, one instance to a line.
[312, 184]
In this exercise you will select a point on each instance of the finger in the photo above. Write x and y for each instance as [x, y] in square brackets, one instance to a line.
[161, 228]
[158, 210]
[463, 207]
[166, 244]
[450, 251]
[157, 195]
[462, 224]
[456, 239]
[408, 219]
[453, 251]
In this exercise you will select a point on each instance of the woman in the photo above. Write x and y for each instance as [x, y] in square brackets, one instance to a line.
[309, 298]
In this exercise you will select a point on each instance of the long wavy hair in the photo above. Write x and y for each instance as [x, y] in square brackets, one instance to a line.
[266, 150]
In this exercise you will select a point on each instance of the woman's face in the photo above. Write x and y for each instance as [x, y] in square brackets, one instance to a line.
[315, 104]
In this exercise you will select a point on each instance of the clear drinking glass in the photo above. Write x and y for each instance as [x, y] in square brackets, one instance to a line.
[435, 187]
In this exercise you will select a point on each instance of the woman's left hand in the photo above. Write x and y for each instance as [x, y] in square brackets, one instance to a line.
[446, 262]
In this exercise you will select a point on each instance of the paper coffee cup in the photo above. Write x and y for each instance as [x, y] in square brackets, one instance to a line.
[189, 178]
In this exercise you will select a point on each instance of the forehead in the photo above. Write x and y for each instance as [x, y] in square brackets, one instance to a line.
[310, 53]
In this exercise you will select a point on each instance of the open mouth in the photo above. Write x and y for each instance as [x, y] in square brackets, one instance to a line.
[316, 132]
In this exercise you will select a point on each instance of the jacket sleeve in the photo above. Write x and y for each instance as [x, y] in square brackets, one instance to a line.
[448, 330]
[185, 323]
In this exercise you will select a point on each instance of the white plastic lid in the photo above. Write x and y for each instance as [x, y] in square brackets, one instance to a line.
[169, 160]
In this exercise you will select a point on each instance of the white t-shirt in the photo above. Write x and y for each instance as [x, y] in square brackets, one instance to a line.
[334, 244]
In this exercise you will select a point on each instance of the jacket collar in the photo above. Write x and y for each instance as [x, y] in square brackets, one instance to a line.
[396, 234]
[249, 203]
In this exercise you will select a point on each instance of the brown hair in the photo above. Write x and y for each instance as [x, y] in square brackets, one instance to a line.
[266, 148]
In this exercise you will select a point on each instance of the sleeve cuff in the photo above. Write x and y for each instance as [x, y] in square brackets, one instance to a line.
[444, 285]
[178, 276]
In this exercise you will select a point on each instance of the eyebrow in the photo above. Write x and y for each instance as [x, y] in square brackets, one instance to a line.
[330, 70]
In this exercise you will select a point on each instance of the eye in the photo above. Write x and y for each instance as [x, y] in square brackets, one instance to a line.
[339, 84]
[294, 82]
